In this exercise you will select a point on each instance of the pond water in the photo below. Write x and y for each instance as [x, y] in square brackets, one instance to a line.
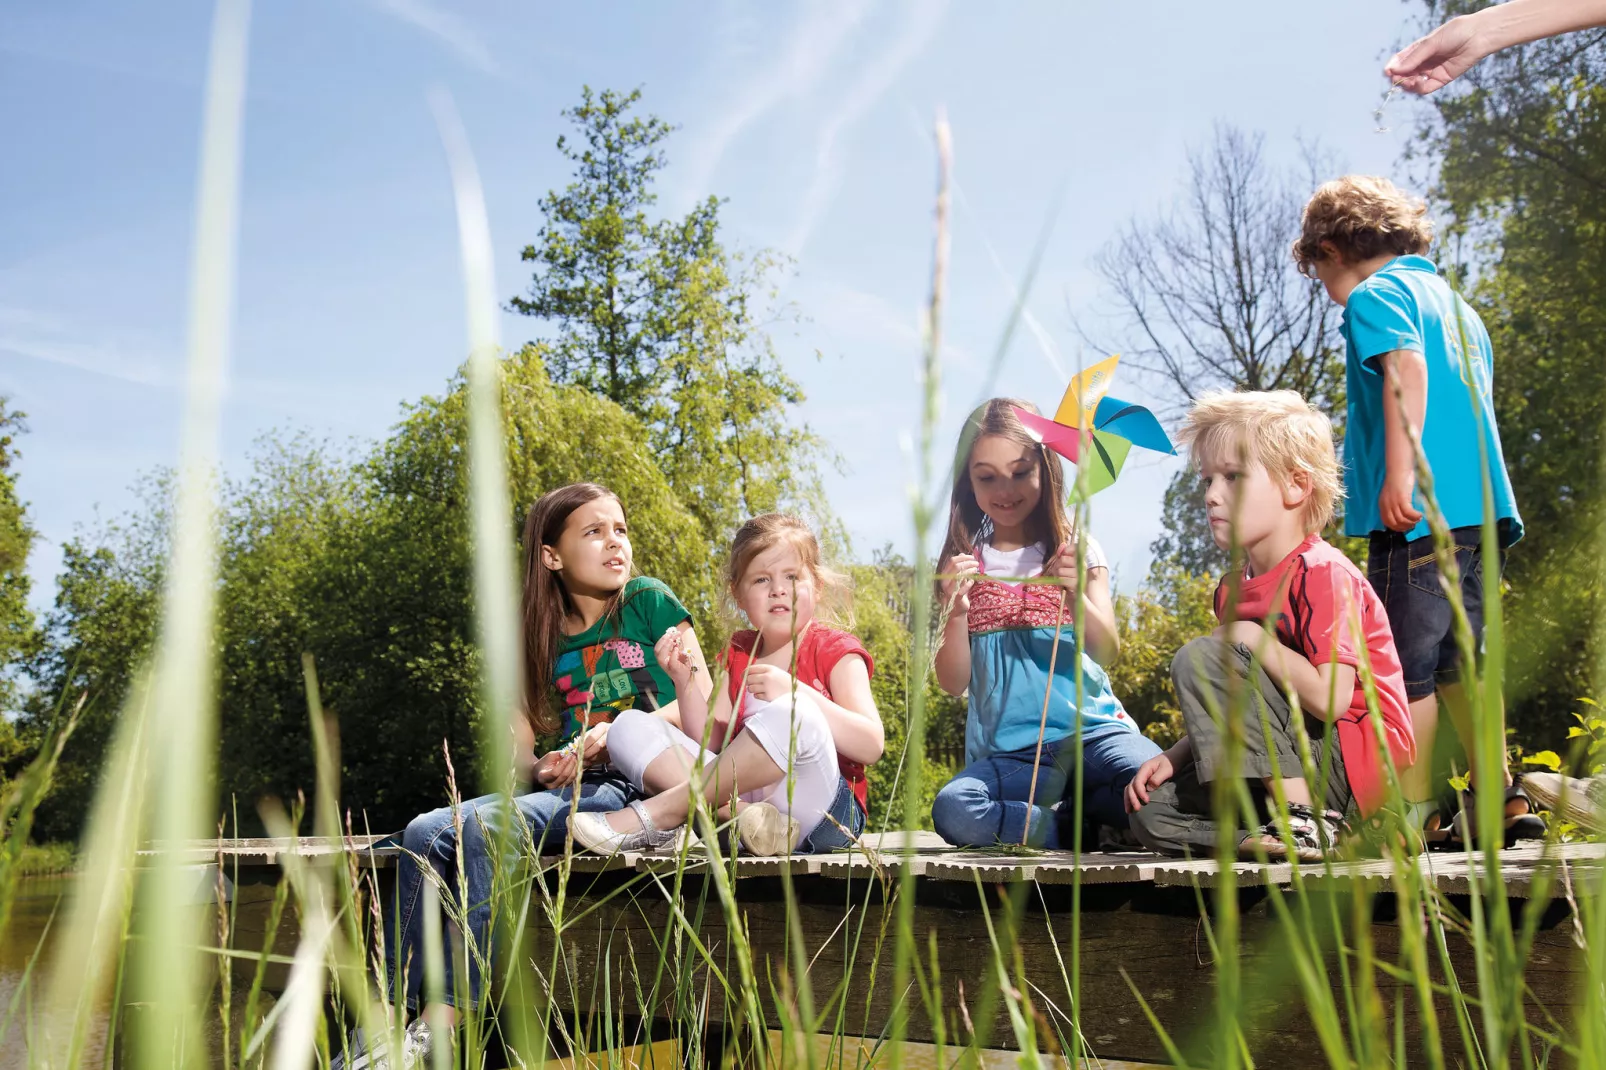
[38, 898]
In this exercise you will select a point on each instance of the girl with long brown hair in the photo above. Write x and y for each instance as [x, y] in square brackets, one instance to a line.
[1010, 641]
[596, 639]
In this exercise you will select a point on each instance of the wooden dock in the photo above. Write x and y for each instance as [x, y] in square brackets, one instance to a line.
[1141, 917]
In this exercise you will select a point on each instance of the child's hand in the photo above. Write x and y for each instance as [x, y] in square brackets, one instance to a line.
[1151, 774]
[957, 591]
[1394, 505]
[1062, 567]
[557, 769]
[672, 657]
[767, 683]
[594, 744]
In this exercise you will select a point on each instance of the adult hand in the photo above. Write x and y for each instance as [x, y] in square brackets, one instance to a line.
[1394, 505]
[1438, 59]
[1150, 775]
[767, 683]
[673, 658]
[956, 591]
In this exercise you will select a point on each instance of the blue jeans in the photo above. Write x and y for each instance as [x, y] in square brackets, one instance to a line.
[433, 837]
[1405, 576]
[846, 809]
[986, 803]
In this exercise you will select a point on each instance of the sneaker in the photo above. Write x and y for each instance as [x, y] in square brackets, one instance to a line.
[765, 830]
[417, 1045]
[1315, 835]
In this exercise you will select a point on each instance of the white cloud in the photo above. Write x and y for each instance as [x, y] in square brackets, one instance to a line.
[34, 336]
[814, 43]
[444, 26]
[918, 22]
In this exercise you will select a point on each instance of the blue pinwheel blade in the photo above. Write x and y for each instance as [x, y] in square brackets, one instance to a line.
[1132, 422]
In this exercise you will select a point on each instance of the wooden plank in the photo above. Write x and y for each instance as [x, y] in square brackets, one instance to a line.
[870, 1054]
[1526, 870]
[267, 852]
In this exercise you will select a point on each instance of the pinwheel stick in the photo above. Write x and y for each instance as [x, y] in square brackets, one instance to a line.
[1042, 724]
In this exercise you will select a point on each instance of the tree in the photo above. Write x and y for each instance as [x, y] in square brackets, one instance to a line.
[1520, 143]
[1210, 299]
[1172, 609]
[365, 563]
[658, 317]
[16, 539]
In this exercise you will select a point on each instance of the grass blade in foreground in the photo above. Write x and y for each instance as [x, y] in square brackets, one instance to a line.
[183, 715]
[920, 611]
[495, 575]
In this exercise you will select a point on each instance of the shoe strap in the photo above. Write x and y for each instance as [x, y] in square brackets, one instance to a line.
[640, 809]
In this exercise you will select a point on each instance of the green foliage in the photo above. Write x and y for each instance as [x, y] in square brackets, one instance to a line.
[363, 563]
[882, 592]
[1185, 540]
[1172, 608]
[17, 624]
[656, 315]
[1523, 145]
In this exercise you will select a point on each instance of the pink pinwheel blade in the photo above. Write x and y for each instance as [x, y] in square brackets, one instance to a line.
[1065, 441]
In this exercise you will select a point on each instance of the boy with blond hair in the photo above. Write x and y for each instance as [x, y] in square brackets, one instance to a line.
[1419, 376]
[1300, 620]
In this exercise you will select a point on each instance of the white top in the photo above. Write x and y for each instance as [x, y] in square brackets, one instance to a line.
[1028, 560]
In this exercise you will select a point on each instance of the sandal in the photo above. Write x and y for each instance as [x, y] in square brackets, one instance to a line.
[1314, 833]
[592, 831]
[1462, 829]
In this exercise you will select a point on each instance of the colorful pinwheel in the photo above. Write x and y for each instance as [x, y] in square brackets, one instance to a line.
[1101, 428]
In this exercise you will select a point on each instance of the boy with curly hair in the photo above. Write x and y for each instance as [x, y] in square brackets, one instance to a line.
[1419, 376]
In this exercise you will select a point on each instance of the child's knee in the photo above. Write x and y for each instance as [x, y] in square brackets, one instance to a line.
[426, 830]
[1197, 657]
[957, 812]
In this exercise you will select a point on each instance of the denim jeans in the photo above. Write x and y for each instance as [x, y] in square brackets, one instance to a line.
[433, 837]
[846, 809]
[1405, 576]
[986, 803]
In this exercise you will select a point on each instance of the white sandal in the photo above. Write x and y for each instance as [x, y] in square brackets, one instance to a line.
[592, 831]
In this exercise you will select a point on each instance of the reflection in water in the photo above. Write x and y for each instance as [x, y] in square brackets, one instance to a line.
[37, 899]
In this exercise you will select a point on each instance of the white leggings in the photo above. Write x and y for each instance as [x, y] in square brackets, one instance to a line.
[800, 742]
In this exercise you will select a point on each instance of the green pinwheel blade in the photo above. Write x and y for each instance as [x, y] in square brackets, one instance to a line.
[1103, 462]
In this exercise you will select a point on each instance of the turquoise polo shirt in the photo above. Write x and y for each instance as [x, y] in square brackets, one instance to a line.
[1406, 305]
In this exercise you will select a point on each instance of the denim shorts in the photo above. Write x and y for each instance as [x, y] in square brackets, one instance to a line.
[1405, 576]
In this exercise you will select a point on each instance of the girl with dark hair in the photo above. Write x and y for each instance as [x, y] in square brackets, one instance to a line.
[1008, 537]
[595, 639]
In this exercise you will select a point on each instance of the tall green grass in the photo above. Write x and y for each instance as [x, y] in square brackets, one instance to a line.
[147, 962]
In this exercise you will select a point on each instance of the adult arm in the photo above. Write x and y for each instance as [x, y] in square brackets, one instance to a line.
[1434, 61]
[1405, 407]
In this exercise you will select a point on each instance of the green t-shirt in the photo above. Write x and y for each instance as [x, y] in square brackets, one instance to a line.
[610, 666]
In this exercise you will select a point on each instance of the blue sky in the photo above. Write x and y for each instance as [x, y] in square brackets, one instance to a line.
[812, 118]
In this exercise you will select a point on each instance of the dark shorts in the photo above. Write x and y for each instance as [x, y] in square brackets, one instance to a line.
[1405, 576]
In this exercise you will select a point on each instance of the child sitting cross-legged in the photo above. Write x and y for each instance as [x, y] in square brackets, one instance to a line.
[1299, 621]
